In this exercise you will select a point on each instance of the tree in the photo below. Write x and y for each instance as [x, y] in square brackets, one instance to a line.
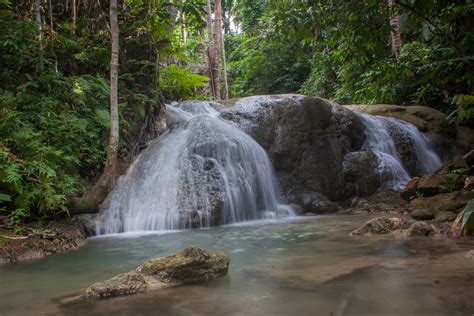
[212, 53]
[219, 39]
[395, 32]
[92, 199]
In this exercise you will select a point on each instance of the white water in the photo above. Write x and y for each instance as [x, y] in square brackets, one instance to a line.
[204, 172]
[379, 141]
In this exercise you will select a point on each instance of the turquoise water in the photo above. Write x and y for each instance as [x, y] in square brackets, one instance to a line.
[306, 266]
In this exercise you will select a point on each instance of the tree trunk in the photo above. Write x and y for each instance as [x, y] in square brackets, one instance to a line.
[395, 31]
[220, 48]
[51, 24]
[74, 16]
[212, 53]
[39, 33]
[112, 151]
[91, 201]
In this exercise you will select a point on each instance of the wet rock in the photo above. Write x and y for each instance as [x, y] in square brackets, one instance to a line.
[469, 158]
[447, 202]
[423, 214]
[426, 119]
[430, 185]
[381, 226]
[410, 190]
[186, 266]
[442, 217]
[358, 173]
[313, 202]
[456, 164]
[420, 229]
[305, 137]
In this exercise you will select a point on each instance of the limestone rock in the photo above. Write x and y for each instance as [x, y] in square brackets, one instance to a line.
[305, 137]
[423, 214]
[381, 226]
[456, 164]
[186, 266]
[447, 202]
[420, 229]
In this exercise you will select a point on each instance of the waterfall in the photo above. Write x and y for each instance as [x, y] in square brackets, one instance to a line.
[380, 141]
[203, 172]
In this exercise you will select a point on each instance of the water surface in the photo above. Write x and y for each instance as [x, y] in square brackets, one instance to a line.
[305, 266]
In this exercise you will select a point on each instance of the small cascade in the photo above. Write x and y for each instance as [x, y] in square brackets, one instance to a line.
[380, 141]
[204, 172]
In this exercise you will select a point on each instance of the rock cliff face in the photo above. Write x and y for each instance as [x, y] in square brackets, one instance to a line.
[306, 139]
[318, 146]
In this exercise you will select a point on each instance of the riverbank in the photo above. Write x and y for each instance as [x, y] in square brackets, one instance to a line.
[39, 240]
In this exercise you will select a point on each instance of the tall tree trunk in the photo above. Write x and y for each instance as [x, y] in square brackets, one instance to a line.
[74, 16]
[51, 24]
[212, 53]
[222, 67]
[39, 34]
[395, 31]
[91, 200]
[112, 151]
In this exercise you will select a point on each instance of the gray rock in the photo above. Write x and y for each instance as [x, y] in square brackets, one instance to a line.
[186, 266]
[420, 229]
[313, 202]
[422, 214]
[443, 216]
[305, 137]
[381, 226]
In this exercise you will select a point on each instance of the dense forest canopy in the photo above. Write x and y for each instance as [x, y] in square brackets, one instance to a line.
[55, 61]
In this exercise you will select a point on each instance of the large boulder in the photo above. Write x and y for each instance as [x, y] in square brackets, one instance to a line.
[312, 202]
[305, 137]
[186, 266]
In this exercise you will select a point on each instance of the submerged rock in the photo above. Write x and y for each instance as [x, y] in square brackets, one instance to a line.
[186, 266]
[420, 229]
[382, 226]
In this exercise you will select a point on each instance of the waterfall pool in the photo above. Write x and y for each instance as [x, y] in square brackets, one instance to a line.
[299, 266]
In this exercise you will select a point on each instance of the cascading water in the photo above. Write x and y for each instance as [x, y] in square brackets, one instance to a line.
[380, 142]
[204, 172]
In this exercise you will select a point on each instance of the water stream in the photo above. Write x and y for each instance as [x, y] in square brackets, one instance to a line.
[307, 266]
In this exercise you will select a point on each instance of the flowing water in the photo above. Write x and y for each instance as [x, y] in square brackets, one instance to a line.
[205, 172]
[381, 143]
[307, 266]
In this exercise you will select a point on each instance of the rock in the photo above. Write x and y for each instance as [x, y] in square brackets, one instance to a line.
[442, 217]
[305, 137]
[426, 119]
[410, 190]
[186, 266]
[469, 183]
[313, 202]
[420, 229]
[431, 185]
[447, 202]
[423, 214]
[357, 169]
[456, 164]
[464, 137]
[381, 226]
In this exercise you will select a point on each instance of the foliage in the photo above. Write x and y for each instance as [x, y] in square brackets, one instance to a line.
[347, 47]
[54, 120]
[178, 83]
